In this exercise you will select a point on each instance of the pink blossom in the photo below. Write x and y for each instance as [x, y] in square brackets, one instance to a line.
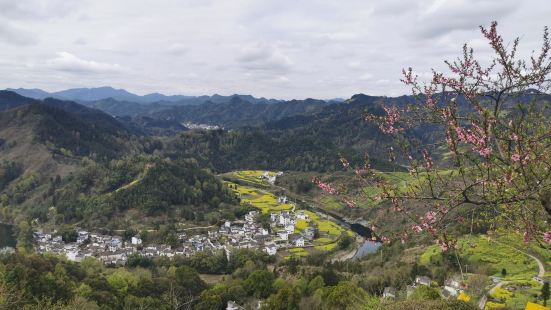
[547, 237]
[484, 151]
[326, 187]
[430, 217]
[428, 160]
[515, 157]
[390, 120]
[349, 203]
[416, 228]
[385, 239]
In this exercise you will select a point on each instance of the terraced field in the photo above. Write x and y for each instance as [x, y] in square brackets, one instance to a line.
[496, 252]
[267, 202]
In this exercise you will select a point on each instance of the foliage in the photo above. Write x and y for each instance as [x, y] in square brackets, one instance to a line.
[424, 292]
[496, 124]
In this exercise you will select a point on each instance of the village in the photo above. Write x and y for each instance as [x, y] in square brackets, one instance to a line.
[247, 233]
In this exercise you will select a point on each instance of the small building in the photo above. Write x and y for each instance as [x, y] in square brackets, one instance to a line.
[423, 280]
[136, 240]
[309, 233]
[299, 242]
[282, 199]
[389, 292]
[271, 249]
[232, 305]
[301, 215]
[283, 235]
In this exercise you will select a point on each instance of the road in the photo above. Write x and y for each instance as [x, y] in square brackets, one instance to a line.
[541, 271]
[541, 266]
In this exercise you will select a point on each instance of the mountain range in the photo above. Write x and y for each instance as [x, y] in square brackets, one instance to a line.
[107, 92]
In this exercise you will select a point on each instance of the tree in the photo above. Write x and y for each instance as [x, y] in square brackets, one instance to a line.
[545, 293]
[189, 279]
[345, 241]
[504, 272]
[286, 298]
[496, 134]
[424, 292]
[315, 284]
[260, 283]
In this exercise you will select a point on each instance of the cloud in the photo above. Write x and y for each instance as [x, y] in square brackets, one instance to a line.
[178, 49]
[261, 57]
[16, 36]
[366, 76]
[31, 9]
[270, 48]
[445, 16]
[68, 62]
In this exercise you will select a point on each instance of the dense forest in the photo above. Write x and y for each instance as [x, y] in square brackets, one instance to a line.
[30, 281]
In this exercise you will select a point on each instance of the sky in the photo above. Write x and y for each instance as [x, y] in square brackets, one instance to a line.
[276, 49]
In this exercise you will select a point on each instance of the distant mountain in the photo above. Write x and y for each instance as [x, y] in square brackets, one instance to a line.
[34, 93]
[102, 93]
[238, 111]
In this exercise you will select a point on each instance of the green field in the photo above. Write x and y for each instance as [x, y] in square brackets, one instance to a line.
[499, 252]
[259, 198]
[267, 202]
[477, 250]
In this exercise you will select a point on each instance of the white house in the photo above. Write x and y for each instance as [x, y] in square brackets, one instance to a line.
[299, 242]
[72, 255]
[232, 306]
[271, 249]
[290, 228]
[452, 286]
[136, 240]
[282, 199]
[301, 215]
[283, 235]
[423, 280]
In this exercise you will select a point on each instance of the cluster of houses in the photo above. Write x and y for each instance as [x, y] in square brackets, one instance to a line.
[202, 126]
[113, 250]
[281, 233]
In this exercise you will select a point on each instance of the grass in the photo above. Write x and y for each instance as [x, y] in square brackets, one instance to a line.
[258, 198]
[302, 225]
[477, 250]
[326, 247]
[322, 241]
[298, 252]
[328, 227]
[493, 305]
[252, 176]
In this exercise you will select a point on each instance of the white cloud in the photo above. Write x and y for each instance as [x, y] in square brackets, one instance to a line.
[366, 76]
[270, 48]
[262, 57]
[68, 62]
[15, 35]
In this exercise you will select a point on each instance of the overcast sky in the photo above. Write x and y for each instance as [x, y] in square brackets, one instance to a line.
[278, 49]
